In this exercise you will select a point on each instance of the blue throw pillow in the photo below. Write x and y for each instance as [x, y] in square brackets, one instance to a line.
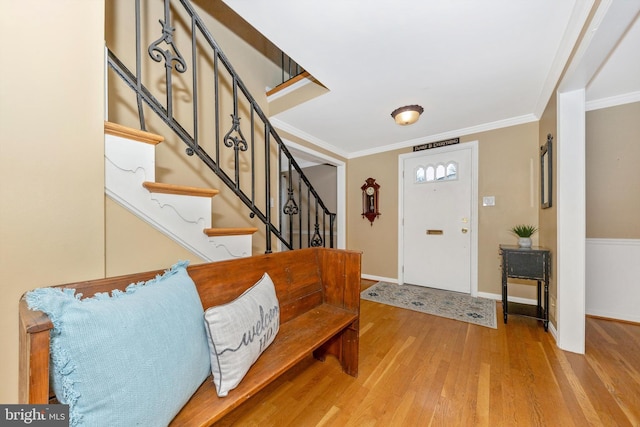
[130, 359]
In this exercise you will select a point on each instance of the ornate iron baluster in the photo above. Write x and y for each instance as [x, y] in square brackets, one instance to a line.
[237, 142]
[290, 207]
[157, 54]
[143, 125]
[316, 239]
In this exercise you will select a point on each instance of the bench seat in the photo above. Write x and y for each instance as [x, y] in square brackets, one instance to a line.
[292, 344]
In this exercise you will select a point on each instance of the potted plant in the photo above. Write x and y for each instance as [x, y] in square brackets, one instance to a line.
[524, 233]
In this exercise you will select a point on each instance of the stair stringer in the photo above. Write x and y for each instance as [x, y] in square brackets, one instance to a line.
[129, 163]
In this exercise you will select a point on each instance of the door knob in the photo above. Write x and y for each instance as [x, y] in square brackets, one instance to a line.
[464, 230]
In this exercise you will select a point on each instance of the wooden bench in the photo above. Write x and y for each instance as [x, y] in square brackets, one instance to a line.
[319, 294]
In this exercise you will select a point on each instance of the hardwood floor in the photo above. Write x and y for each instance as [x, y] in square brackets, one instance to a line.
[422, 370]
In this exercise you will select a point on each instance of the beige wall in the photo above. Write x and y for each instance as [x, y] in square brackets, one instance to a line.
[613, 172]
[324, 180]
[51, 156]
[378, 241]
[508, 170]
[132, 245]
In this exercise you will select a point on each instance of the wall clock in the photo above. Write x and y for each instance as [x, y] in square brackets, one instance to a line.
[370, 200]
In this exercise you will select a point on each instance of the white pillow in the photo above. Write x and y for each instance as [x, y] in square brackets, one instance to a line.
[240, 331]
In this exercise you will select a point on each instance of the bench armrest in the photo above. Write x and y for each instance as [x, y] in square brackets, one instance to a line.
[34, 355]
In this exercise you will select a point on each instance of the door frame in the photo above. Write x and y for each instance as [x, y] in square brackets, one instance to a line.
[473, 145]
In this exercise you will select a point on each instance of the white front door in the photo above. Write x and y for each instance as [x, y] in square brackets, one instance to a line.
[437, 221]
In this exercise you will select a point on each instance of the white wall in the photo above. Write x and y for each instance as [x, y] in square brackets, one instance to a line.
[612, 279]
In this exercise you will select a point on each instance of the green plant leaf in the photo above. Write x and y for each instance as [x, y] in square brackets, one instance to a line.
[524, 230]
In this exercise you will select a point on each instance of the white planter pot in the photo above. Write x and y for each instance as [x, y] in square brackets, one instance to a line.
[524, 242]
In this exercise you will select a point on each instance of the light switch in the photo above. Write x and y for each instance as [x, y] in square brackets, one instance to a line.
[489, 201]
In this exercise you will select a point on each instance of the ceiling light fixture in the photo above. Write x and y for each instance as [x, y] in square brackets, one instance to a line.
[407, 115]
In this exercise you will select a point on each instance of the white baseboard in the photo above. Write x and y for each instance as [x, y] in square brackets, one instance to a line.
[614, 315]
[379, 278]
[498, 297]
[554, 332]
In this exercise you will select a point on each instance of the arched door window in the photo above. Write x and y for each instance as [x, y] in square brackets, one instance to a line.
[447, 171]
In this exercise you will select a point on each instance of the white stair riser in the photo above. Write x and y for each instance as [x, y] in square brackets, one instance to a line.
[183, 218]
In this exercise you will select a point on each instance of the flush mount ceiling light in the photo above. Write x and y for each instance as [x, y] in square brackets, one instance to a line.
[407, 115]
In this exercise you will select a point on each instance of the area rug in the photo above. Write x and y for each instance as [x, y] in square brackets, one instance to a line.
[452, 305]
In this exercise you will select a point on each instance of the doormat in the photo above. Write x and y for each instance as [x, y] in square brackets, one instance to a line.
[452, 305]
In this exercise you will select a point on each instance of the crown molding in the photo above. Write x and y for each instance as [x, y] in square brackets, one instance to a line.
[527, 118]
[613, 101]
[307, 137]
[513, 121]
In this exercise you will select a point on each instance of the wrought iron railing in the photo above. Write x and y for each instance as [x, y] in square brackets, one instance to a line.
[201, 87]
[290, 68]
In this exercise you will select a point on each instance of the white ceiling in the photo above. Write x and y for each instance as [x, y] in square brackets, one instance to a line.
[473, 65]
[619, 79]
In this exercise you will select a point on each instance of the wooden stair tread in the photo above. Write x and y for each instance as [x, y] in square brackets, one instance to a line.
[294, 341]
[291, 81]
[237, 231]
[157, 187]
[130, 133]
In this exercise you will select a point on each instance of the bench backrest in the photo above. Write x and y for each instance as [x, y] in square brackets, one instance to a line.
[302, 278]
[295, 274]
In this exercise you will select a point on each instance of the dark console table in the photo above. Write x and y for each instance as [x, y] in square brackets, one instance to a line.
[532, 264]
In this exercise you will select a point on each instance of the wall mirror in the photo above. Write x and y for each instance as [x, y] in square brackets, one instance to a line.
[546, 173]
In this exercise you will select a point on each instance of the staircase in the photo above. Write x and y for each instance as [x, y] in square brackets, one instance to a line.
[176, 79]
[181, 212]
